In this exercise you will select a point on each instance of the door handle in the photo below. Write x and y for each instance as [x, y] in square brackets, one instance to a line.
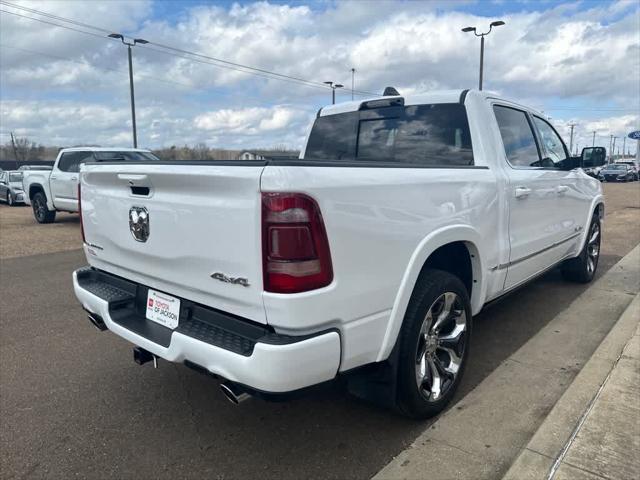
[74, 178]
[562, 189]
[53, 177]
[522, 192]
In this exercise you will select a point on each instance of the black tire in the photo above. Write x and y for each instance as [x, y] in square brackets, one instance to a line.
[583, 268]
[420, 401]
[9, 199]
[41, 212]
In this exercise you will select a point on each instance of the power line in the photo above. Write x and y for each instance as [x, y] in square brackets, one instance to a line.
[213, 61]
[239, 65]
[67, 59]
[160, 51]
[149, 77]
[54, 24]
[56, 17]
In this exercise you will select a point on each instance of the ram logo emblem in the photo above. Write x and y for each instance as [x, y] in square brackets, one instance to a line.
[139, 223]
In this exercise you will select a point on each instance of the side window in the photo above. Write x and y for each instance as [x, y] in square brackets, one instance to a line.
[333, 137]
[71, 161]
[554, 148]
[517, 137]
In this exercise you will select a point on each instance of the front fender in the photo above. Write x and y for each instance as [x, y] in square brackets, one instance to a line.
[428, 245]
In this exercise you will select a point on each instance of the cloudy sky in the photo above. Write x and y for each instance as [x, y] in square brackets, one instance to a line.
[577, 61]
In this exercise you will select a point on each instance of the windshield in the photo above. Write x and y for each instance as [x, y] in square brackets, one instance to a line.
[15, 177]
[617, 167]
[125, 156]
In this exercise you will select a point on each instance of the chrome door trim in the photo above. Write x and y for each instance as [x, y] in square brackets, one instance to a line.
[531, 255]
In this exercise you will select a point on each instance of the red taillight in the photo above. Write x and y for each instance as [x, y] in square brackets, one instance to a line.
[295, 248]
[80, 212]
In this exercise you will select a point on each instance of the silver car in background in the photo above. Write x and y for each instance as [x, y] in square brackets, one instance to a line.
[11, 187]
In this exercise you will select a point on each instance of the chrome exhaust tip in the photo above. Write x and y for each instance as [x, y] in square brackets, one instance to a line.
[234, 393]
[97, 321]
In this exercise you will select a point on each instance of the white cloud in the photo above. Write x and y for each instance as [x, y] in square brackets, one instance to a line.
[247, 121]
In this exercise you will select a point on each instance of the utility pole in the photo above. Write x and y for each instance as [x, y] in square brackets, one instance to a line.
[572, 125]
[613, 150]
[15, 150]
[353, 81]
[593, 142]
[624, 143]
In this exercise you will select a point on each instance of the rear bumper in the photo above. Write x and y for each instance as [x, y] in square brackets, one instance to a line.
[226, 346]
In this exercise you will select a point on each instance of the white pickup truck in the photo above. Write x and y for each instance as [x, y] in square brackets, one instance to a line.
[366, 258]
[55, 190]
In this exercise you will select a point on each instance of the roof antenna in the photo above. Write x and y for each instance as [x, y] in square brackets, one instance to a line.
[390, 91]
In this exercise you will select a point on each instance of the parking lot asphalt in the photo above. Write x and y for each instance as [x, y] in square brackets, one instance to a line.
[73, 403]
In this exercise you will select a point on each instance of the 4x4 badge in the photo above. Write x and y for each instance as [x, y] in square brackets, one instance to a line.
[234, 280]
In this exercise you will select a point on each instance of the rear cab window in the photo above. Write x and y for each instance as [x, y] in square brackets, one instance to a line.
[71, 161]
[434, 135]
[124, 156]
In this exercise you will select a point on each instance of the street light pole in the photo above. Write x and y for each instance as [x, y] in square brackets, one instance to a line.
[593, 142]
[133, 101]
[497, 23]
[334, 87]
[481, 61]
[353, 81]
[131, 89]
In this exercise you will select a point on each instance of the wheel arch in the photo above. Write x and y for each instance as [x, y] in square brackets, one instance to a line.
[597, 208]
[429, 254]
[37, 188]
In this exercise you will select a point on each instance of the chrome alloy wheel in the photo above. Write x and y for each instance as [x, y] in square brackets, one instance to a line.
[40, 208]
[593, 247]
[441, 345]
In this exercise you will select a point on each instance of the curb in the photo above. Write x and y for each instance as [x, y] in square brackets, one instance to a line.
[481, 436]
[546, 448]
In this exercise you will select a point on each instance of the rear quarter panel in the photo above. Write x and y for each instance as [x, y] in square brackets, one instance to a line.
[382, 224]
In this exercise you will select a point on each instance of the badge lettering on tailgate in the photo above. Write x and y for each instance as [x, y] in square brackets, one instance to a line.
[233, 280]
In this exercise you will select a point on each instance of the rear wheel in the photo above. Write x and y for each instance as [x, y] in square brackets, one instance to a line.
[41, 212]
[583, 268]
[434, 344]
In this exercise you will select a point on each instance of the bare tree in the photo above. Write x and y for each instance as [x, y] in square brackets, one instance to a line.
[22, 148]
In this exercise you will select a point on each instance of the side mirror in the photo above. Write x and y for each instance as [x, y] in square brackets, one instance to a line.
[593, 157]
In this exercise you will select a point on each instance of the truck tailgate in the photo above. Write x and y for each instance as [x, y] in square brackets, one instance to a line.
[203, 230]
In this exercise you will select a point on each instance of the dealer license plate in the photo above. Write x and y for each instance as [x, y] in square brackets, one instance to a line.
[163, 309]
